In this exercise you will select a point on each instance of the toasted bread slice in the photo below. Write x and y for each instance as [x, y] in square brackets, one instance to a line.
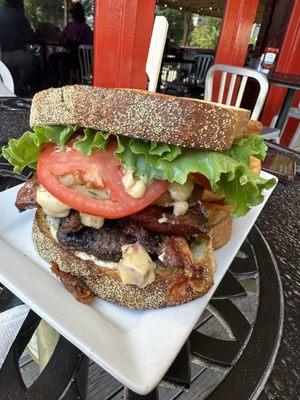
[221, 232]
[143, 115]
[168, 289]
[220, 223]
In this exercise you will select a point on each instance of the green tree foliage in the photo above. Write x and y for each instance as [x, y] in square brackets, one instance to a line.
[53, 11]
[175, 19]
[44, 11]
[89, 8]
[206, 34]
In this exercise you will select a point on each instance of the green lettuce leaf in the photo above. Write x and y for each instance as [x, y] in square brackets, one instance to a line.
[92, 140]
[135, 160]
[228, 172]
[25, 151]
[242, 149]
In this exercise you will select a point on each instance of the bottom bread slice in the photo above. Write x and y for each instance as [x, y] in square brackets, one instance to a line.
[221, 232]
[170, 287]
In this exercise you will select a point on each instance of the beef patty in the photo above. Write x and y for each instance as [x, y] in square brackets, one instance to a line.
[105, 243]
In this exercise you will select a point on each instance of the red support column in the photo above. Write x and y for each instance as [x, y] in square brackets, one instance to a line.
[288, 62]
[238, 19]
[122, 34]
[239, 16]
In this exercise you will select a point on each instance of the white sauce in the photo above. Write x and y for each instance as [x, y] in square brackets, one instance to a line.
[136, 188]
[180, 207]
[97, 261]
[91, 221]
[162, 256]
[53, 226]
[128, 179]
[50, 205]
[180, 193]
[163, 218]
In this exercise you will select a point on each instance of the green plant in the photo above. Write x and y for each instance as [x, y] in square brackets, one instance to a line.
[44, 11]
[175, 20]
[53, 11]
[206, 34]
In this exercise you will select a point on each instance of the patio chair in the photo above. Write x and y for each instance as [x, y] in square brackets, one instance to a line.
[175, 78]
[204, 62]
[86, 56]
[245, 73]
[190, 55]
[6, 77]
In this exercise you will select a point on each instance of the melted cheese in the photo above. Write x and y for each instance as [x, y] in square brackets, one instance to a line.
[136, 267]
[50, 205]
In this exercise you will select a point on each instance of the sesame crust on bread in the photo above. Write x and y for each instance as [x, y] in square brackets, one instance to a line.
[141, 114]
[165, 291]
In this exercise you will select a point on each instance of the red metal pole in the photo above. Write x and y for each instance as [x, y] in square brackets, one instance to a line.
[122, 34]
[239, 17]
[288, 62]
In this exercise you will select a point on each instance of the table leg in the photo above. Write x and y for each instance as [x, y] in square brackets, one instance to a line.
[285, 108]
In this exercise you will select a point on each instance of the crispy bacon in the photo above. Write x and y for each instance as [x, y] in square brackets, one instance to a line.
[177, 290]
[73, 284]
[175, 251]
[26, 197]
[162, 220]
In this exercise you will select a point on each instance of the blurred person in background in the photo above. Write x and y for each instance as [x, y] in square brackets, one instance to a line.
[65, 65]
[77, 31]
[15, 32]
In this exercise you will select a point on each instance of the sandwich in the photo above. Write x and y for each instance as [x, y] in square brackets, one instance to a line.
[134, 190]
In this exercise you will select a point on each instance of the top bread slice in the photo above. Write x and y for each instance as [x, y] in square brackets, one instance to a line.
[141, 114]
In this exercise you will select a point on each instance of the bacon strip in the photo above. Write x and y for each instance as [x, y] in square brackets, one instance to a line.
[175, 251]
[71, 223]
[73, 284]
[162, 220]
[26, 197]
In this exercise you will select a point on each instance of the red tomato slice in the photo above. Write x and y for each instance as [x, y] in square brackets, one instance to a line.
[201, 180]
[103, 169]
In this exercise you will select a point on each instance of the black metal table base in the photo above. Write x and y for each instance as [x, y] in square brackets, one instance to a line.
[282, 116]
[246, 360]
[64, 377]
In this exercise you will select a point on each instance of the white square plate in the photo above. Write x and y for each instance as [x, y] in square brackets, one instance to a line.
[136, 347]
